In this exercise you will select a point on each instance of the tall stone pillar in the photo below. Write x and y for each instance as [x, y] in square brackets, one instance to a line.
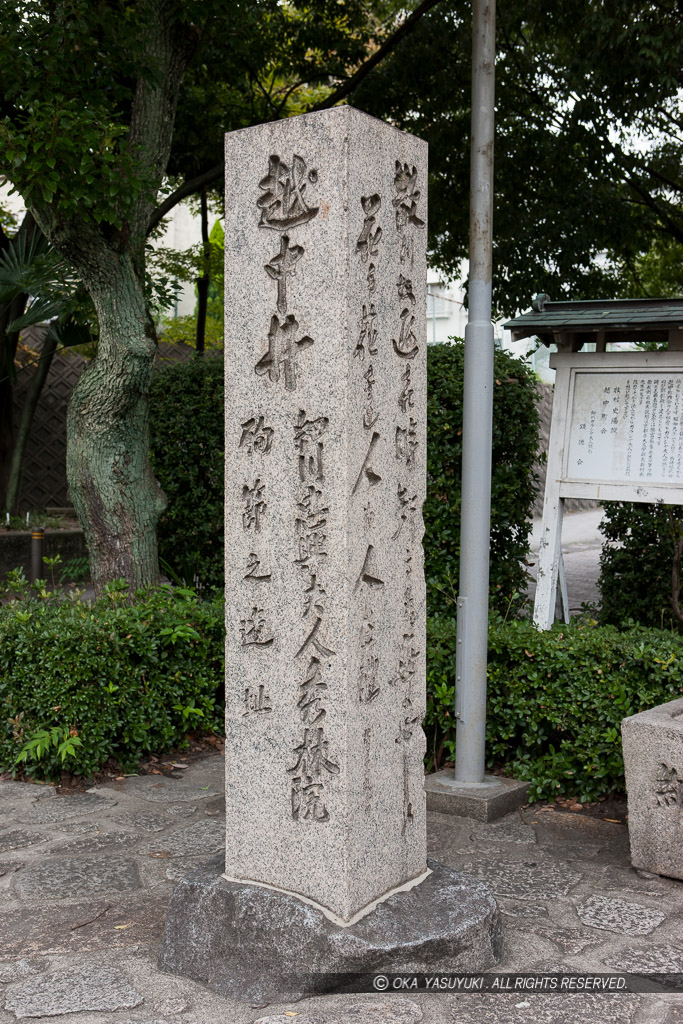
[325, 869]
[325, 429]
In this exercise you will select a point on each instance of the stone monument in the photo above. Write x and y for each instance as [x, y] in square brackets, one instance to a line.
[325, 442]
[653, 763]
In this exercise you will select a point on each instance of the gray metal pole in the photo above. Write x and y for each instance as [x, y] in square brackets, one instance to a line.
[472, 631]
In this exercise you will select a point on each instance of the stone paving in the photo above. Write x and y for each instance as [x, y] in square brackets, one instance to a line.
[85, 880]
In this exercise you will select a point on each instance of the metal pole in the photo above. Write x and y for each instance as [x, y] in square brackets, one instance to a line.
[473, 604]
[37, 554]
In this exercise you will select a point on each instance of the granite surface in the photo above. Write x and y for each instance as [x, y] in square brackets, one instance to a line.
[653, 761]
[122, 931]
[447, 923]
[325, 421]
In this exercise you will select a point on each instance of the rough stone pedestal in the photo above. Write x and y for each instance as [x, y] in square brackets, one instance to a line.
[259, 945]
[483, 801]
[653, 762]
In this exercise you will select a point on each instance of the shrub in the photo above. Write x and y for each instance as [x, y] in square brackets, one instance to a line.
[636, 563]
[556, 699]
[186, 427]
[513, 488]
[187, 455]
[81, 683]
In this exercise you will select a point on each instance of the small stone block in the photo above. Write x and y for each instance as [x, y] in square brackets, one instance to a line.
[486, 801]
[653, 761]
[619, 916]
[71, 991]
[397, 1011]
[260, 945]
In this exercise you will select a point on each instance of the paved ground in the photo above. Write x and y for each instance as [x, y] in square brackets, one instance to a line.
[86, 877]
[581, 546]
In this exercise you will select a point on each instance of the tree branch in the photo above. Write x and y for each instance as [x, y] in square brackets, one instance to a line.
[213, 174]
[188, 188]
[651, 202]
[387, 46]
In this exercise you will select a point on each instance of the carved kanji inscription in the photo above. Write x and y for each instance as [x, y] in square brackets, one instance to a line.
[366, 470]
[283, 204]
[256, 436]
[406, 347]
[254, 505]
[370, 236]
[284, 347]
[308, 441]
[281, 267]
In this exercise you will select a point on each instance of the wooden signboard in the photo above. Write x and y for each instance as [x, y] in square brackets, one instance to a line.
[616, 435]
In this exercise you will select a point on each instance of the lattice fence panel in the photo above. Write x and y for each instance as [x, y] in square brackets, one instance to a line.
[44, 475]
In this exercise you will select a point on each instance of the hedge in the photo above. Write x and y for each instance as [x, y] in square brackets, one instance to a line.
[81, 683]
[186, 425]
[513, 484]
[556, 699]
[186, 411]
[636, 563]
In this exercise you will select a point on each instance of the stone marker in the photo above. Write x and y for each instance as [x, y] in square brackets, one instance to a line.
[325, 421]
[653, 762]
[325, 441]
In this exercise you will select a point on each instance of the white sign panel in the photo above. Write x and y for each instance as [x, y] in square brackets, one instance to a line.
[626, 427]
[616, 435]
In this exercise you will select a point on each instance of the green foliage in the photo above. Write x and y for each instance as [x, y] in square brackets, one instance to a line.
[81, 683]
[515, 442]
[75, 570]
[556, 699]
[187, 455]
[582, 164]
[186, 437]
[187, 266]
[657, 273]
[636, 563]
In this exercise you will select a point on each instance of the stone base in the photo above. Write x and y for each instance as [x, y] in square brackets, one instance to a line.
[259, 945]
[652, 743]
[483, 801]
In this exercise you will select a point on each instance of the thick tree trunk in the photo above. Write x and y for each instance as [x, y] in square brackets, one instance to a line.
[112, 487]
[113, 490]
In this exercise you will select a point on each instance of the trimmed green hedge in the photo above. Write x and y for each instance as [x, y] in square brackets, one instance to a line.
[186, 411]
[556, 699]
[186, 441]
[636, 563]
[513, 483]
[81, 683]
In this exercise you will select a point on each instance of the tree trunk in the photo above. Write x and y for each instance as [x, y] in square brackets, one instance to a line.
[113, 490]
[27, 413]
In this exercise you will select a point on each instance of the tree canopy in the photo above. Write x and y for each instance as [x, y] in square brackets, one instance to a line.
[114, 110]
[589, 139]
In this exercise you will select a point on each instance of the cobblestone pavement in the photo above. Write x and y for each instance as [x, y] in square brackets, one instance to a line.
[85, 880]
